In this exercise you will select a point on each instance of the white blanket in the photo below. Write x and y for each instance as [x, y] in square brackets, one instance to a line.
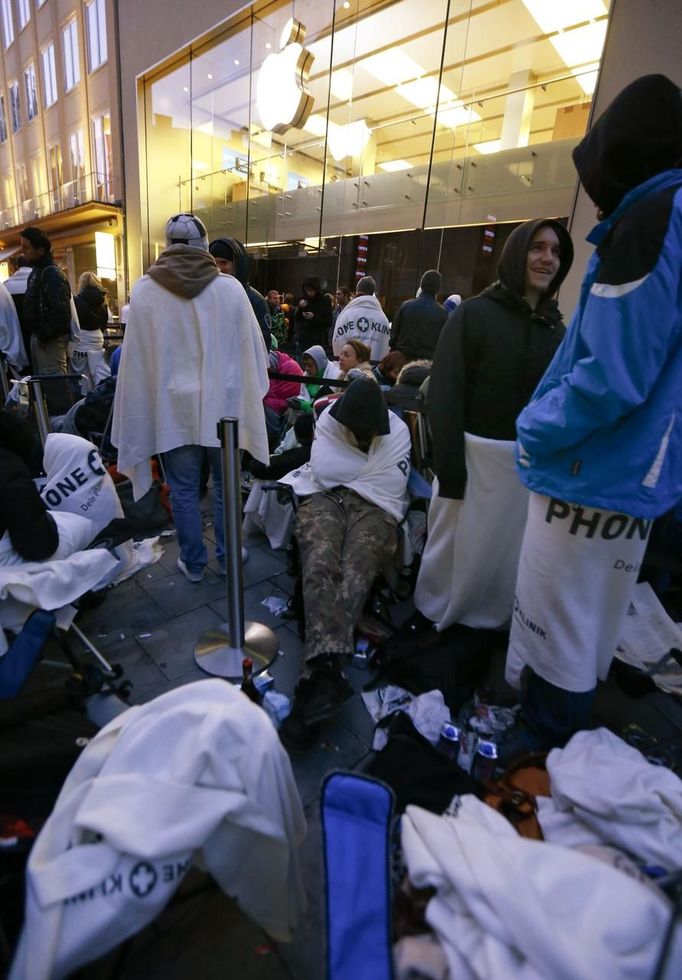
[605, 792]
[263, 512]
[11, 341]
[468, 569]
[379, 476]
[577, 570]
[77, 482]
[185, 364]
[198, 774]
[55, 583]
[363, 319]
[508, 907]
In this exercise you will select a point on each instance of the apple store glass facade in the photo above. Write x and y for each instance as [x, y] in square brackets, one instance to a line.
[373, 136]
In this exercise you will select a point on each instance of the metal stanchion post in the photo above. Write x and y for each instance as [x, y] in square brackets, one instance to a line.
[220, 652]
[39, 409]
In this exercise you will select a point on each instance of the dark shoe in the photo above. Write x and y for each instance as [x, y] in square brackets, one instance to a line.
[294, 733]
[513, 747]
[329, 692]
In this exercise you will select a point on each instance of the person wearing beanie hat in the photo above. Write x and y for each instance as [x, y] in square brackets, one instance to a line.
[193, 354]
[452, 302]
[363, 319]
[355, 492]
[600, 444]
[275, 402]
[418, 322]
[231, 258]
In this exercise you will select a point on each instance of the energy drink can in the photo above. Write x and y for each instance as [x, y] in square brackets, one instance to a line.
[485, 762]
[448, 742]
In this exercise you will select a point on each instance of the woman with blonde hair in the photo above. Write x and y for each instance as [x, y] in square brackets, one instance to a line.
[355, 356]
[87, 351]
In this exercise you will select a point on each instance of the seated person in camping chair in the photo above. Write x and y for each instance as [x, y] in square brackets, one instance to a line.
[352, 493]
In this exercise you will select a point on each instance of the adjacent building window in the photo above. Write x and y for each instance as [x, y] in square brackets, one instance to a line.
[72, 70]
[7, 21]
[78, 194]
[3, 120]
[49, 76]
[14, 107]
[24, 8]
[101, 139]
[31, 92]
[97, 33]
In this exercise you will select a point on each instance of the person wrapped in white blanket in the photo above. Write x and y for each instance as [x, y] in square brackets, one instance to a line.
[355, 490]
[43, 561]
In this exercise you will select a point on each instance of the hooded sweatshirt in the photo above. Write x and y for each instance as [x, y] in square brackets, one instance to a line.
[313, 330]
[604, 427]
[240, 271]
[192, 354]
[490, 356]
[92, 309]
[362, 319]
[184, 270]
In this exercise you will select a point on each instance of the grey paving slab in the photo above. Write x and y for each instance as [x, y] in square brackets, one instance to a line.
[305, 955]
[253, 609]
[287, 667]
[171, 644]
[176, 596]
[261, 565]
[121, 616]
[337, 748]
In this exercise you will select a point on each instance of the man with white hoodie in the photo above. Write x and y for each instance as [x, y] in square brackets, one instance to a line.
[363, 319]
[193, 354]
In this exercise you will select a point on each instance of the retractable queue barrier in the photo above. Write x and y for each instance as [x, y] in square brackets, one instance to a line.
[220, 651]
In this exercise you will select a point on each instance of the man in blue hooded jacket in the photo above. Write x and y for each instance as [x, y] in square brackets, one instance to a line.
[600, 443]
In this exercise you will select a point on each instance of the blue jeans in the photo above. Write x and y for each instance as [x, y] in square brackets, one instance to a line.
[183, 472]
[552, 714]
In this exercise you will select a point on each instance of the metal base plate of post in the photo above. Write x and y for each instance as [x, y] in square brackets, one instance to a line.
[215, 654]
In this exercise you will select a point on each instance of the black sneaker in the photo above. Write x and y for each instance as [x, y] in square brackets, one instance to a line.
[294, 733]
[329, 691]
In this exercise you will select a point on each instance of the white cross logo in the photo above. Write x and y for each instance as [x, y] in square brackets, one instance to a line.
[142, 879]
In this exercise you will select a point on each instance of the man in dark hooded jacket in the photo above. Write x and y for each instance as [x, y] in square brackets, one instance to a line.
[313, 317]
[354, 494]
[600, 444]
[490, 356]
[418, 323]
[231, 258]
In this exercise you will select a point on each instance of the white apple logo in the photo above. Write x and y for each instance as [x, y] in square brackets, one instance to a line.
[282, 92]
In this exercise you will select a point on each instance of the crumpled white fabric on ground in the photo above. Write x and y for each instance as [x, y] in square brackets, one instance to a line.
[428, 711]
[53, 584]
[605, 791]
[197, 774]
[508, 907]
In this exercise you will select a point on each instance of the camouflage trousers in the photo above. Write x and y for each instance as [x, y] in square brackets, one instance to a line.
[344, 542]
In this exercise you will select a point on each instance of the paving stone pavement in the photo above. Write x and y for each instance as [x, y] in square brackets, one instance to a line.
[149, 625]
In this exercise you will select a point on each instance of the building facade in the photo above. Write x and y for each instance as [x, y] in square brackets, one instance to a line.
[380, 136]
[60, 154]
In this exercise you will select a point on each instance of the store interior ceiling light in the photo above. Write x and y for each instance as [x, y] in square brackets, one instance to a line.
[456, 114]
[489, 146]
[575, 46]
[393, 166]
[423, 92]
[552, 15]
[342, 84]
[199, 165]
[587, 78]
[392, 67]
